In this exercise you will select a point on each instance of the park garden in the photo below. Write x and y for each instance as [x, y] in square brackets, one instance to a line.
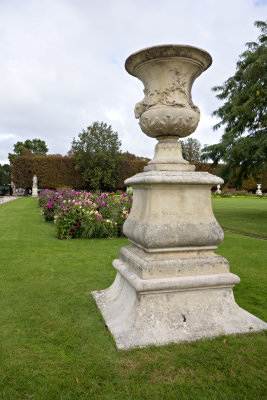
[57, 249]
[54, 342]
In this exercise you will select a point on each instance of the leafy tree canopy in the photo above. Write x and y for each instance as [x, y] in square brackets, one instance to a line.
[4, 174]
[97, 155]
[36, 146]
[191, 149]
[243, 147]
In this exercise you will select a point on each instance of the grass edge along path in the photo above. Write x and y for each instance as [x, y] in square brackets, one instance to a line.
[54, 343]
[244, 234]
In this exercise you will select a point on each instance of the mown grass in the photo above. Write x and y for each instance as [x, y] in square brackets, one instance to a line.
[242, 215]
[54, 343]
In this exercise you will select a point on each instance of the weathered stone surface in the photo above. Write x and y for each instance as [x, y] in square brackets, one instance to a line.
[170, 286]
[172, 209]
[168, 157]
[168, 73]
[141, 312]
[174, 177]
[182, 262]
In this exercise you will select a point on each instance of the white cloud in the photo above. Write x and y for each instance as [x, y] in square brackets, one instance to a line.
[115, 115]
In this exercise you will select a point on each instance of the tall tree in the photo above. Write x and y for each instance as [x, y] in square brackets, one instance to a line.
[191, 149]
[243, 146]
[97, 156]
[4, 174]
[36, 146]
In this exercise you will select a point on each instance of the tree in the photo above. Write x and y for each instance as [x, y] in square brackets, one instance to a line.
[243, 146]
[36, 146]
[97, 156]
[191, 149]
[4, 174]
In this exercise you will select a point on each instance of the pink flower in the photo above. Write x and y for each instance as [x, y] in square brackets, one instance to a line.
[103, 204]
[99, 217]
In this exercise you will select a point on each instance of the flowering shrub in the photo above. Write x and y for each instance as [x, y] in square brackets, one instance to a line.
[85, 215]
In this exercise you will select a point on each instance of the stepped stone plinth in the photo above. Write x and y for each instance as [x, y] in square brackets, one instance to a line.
[170, 285]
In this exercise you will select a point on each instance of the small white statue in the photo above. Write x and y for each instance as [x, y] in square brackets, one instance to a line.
[34, 180]
[258, 191]
[218, 189]
[34, 186]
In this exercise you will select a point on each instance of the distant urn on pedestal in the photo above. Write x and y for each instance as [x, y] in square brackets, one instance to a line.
[258, 191]
[218, 189]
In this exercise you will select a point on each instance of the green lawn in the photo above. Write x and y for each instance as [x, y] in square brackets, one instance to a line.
[242, 215]
[54, 343]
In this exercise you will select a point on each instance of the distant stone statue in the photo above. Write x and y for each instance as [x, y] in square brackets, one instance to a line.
[34, 180]
[34, 186]
[258, 191]
[218, 189]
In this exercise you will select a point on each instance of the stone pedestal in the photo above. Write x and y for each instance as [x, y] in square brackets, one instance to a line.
[34, 191]
[170, 285]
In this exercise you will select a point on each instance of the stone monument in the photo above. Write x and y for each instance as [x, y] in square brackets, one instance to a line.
[34, 186]
[170, 285]
[218, 190]
[258, 191]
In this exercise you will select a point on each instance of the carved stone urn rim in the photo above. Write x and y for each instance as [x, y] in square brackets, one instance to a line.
[167, 51]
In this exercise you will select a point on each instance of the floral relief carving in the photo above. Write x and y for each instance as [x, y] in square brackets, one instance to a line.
[173, 95]
[176, 125]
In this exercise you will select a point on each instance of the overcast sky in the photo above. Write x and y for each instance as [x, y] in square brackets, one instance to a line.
[62, 63]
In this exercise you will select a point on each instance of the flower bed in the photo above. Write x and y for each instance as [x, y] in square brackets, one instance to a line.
[85, 215]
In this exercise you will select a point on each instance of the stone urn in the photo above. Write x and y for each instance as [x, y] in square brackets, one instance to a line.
[218, 190]
[258, 191]
[167, 112]
[170, 285]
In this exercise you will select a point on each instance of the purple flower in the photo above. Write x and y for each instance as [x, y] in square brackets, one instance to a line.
[103, 204]
[99, 217]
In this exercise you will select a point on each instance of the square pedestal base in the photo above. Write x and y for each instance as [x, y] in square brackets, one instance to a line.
[141, 312]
